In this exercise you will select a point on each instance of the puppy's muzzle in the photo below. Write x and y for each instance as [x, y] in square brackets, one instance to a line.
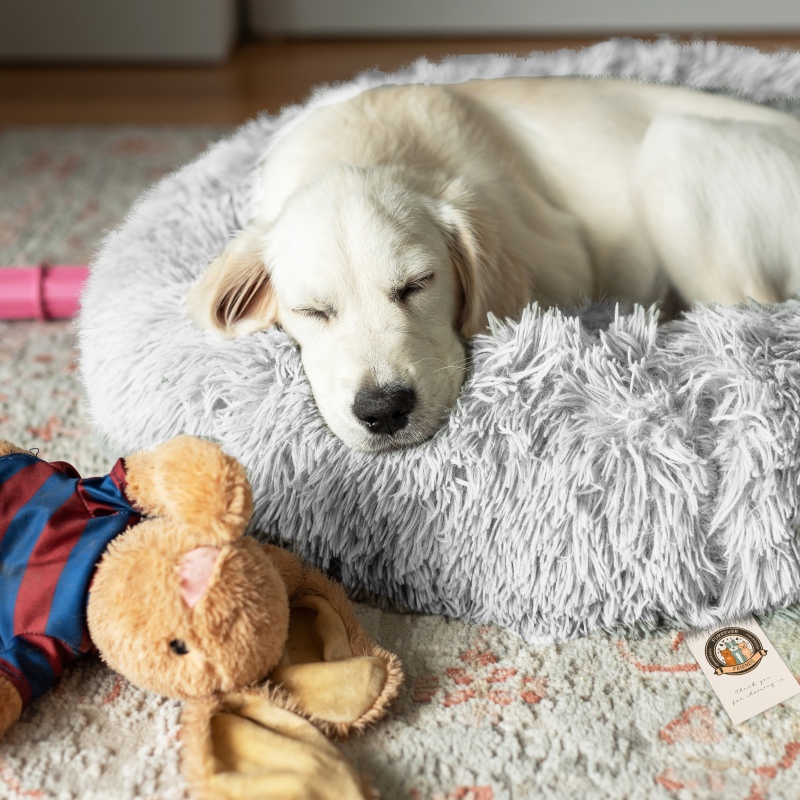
[384, 409]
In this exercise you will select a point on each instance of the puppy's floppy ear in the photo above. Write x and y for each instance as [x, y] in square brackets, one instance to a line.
[464, 241]
[234, 295]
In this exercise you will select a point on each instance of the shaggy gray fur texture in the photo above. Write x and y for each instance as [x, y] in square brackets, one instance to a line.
[585, 479]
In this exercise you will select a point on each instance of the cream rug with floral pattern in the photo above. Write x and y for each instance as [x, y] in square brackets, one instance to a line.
[482, 716]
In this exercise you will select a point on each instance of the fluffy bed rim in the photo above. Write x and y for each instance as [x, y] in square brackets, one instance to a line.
[654, 474]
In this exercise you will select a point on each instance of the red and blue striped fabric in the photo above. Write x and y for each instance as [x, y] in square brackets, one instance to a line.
[54, 528]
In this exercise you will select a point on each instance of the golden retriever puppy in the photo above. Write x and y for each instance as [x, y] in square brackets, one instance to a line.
[393, 222]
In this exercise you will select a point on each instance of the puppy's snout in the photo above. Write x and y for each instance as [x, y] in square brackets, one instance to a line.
[384, 409]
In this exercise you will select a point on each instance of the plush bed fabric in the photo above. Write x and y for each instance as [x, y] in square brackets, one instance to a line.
[584, 479]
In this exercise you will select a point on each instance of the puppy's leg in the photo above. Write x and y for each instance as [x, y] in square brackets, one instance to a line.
[720, 200]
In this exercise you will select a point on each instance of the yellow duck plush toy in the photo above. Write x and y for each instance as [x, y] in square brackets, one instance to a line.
[150, 566]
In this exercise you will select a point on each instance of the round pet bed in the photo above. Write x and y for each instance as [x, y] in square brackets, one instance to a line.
[646, 473]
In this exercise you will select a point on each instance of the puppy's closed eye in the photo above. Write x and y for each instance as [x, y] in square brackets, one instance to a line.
[320, 314]
[402, 294]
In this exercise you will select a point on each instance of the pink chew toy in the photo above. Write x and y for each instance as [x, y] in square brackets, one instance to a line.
[42, 292]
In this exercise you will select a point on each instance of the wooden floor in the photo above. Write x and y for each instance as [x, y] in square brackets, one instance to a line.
[259, 76]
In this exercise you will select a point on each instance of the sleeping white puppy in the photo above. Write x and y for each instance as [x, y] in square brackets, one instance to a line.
[394, 221]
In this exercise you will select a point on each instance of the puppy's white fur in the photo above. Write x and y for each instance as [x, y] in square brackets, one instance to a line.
[394, 221]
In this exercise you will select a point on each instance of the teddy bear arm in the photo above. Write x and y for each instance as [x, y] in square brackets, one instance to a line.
[333, 671]
[10, 704]
[339, 692]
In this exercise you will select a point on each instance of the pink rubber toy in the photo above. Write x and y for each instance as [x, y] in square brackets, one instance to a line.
[42, 292]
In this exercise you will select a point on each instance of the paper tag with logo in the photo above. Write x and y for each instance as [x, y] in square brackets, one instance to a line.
[743, 668]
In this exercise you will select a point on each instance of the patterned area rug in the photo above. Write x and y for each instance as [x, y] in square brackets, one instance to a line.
[482, 715]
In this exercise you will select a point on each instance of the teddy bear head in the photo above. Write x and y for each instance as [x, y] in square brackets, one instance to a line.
[183, 603]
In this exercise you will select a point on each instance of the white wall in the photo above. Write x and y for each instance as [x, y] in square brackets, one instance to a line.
[118, 30]
[520, 17]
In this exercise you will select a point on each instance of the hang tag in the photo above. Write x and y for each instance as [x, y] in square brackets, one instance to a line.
[743, 668]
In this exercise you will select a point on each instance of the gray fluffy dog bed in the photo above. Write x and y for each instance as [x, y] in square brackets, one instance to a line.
[584, 479]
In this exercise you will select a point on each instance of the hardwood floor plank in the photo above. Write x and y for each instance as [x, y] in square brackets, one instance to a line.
[261, 76]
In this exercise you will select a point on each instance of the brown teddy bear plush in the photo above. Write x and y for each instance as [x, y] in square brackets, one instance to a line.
[150, 565]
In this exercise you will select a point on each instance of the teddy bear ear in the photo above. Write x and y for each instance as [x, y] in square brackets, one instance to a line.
[195, 569]
[195, 483]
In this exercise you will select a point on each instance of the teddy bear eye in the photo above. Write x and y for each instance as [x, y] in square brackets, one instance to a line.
[178, 646]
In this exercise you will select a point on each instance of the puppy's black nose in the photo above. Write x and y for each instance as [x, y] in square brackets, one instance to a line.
[384, 409]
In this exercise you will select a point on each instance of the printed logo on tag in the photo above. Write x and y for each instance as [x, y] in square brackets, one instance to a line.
[743, 668]
[734, 651]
